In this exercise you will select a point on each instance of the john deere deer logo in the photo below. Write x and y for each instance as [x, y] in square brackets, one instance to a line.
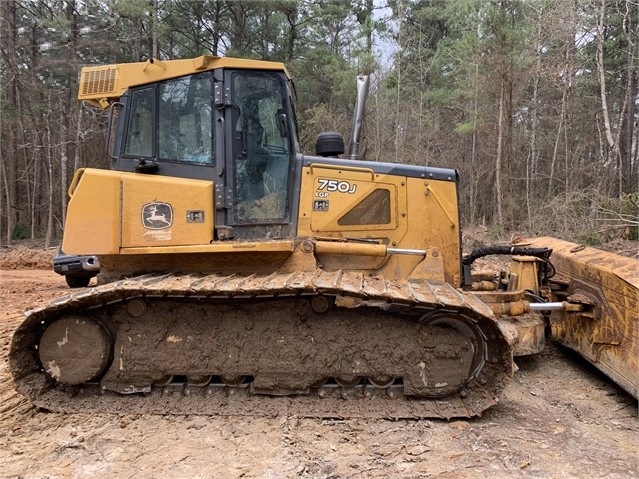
[157, 216]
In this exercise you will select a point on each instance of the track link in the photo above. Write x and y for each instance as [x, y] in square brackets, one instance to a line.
[427, 306]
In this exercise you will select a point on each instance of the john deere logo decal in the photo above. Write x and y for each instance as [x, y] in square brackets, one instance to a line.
[157, 216]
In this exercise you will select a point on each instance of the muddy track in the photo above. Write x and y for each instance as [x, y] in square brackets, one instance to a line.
[558, 418]
[418, 299]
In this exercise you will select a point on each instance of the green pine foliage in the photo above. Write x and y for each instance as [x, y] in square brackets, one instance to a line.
[506, 91]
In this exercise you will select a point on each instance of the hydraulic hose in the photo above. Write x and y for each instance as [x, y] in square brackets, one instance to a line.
[541, 253]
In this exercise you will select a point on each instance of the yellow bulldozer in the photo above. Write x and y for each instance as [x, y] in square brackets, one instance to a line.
[240, 276]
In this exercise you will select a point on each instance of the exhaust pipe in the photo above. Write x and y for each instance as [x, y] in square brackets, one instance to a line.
[358, 117]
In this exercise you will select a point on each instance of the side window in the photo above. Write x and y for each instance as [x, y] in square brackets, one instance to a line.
[372, 210]
[139, 135]
[185, 111]
[261, 151]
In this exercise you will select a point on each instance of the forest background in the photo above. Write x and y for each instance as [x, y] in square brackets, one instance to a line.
[535, 102]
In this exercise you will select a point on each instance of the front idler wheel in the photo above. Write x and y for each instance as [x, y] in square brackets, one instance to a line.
[75, 349]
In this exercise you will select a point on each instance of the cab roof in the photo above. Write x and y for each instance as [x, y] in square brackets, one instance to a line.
[105, 84]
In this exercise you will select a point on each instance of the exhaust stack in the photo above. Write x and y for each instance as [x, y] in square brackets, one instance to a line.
[358, 117]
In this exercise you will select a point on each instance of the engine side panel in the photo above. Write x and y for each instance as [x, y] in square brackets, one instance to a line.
[340, 201]
[166, 211]
[111, 210]
[93, 215]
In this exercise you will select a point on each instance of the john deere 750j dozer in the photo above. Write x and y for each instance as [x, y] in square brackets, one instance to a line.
[240, 276]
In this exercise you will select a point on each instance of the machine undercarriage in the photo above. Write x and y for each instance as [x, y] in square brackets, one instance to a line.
[418, 349]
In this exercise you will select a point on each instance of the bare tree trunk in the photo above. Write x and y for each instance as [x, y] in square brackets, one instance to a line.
[292, 14]
[111, 34]
[498, 156]
[33, 191]
[265, 40]
[239, 17]
[566, 95]
[398, 70]
[627, 126]
[379, 132]
[472, 189]
[9, 163]
[5, 183]
[634, 173]
[78, 139]
[1, 184]
[49, 155]
[31, 102]
[138, 28]
[602, 88]
[154, 29]
[32, 167]
[532, 158]
[420, 151]
[64, 151]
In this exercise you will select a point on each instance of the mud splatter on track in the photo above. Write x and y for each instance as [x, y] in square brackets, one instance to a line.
[558, 418]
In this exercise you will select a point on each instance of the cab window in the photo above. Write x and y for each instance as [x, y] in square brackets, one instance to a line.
[139, 138]
[172, 121]
[261, 147]
[185, 119]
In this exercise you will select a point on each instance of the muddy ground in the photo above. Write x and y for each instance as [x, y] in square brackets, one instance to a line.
[559, 418]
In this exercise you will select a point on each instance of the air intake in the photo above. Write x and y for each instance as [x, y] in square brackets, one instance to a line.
[99, 81]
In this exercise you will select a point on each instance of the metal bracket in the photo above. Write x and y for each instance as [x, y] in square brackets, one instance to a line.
[223, 195]
[224, 232]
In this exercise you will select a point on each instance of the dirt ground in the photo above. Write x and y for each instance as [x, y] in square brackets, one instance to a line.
[559, 418]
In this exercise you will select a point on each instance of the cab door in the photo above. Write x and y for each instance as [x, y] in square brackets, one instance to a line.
[259, 200]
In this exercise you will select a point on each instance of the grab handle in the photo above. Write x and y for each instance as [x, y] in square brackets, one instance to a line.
[357, 169]
[75, 181]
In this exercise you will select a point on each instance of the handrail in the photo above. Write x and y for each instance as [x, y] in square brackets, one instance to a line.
[74, 182]
[358, 169]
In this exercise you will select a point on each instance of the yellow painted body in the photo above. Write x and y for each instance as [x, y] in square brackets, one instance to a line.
[122, 200]
[102, 85]
[106, 213]
[523, 273]
[384, 210]
[183, 195]
[93, 213]
[607, 331]
[403, 223]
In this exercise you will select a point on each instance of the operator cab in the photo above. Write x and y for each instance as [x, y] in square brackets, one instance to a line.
[233, 127]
